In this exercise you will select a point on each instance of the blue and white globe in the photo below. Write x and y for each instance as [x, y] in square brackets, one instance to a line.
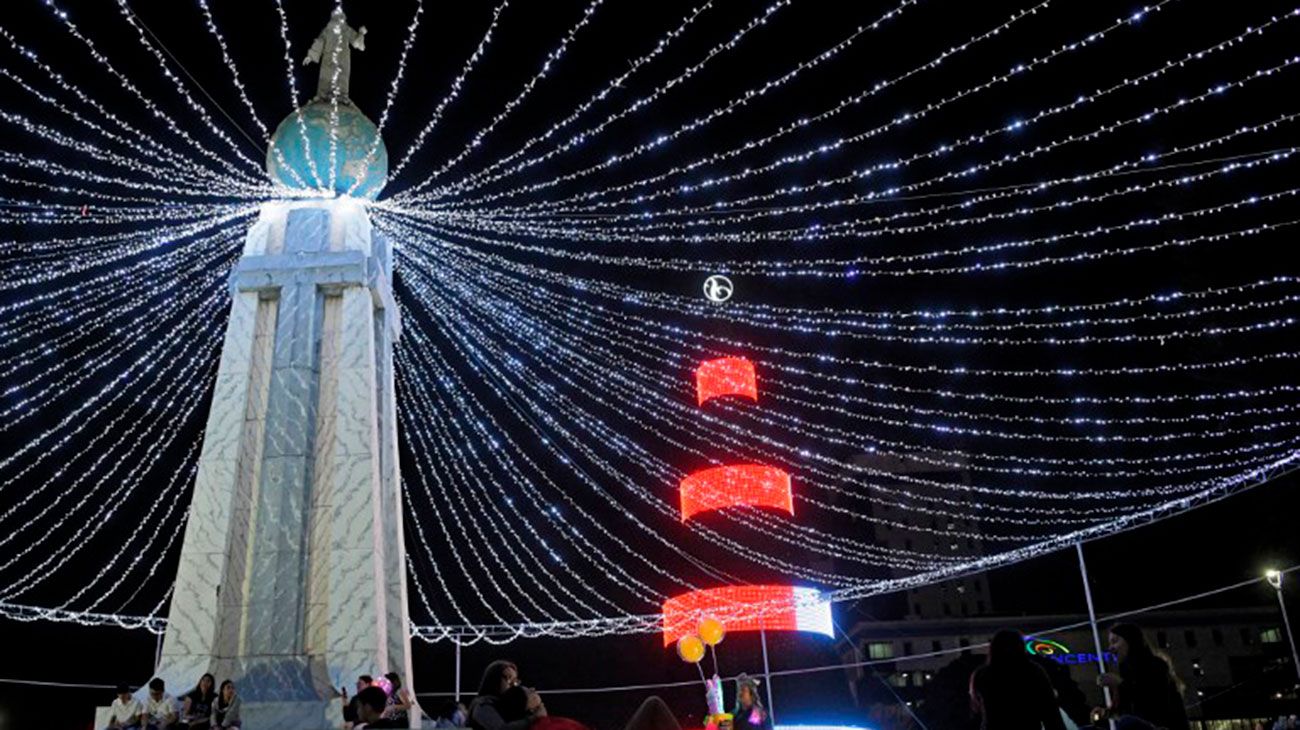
[299, 155]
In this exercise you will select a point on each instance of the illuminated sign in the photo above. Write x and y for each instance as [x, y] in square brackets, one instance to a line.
[1061, 654]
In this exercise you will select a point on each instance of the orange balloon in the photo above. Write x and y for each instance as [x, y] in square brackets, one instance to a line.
[712, 631]
[690, 648]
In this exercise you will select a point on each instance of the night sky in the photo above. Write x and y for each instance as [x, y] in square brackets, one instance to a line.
[1235, 530]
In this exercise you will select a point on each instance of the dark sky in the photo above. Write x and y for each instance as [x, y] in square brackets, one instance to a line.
[1212, 545]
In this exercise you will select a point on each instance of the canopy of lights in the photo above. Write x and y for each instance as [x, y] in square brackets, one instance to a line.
[993, 286]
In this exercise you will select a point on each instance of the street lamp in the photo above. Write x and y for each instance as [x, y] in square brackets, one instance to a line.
[1274, 578]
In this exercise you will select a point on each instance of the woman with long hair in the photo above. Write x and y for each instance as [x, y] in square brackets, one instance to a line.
[491, 708]
[749, 713]
[1145, 690]
[225, 709]
[399, 699]
[1010, 692]
[196, 711]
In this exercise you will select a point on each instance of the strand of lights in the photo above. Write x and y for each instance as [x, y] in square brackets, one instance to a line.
[897, 122]
[444, 436]
[243, 94]
[581, 445]
[617, 83]
[453, 93]
[337, 30]
[129, 15]
[153, 108]
[84, 311]
[598, 434]
[582, 475]
[551, 59]
[197, 177]
[113, 390]
[484, 419]
[51, 168]
[128, 482]
[234, 71]
[179, 478]
[567, 311]
[411, 30]
[126, 485]
[596, 378]
[588, 347]
[293, 95]
[805, 320]
[819, 231]
[144, 143]
[205, 285]
[789, 128]
[732, 346]
[65, 375]
[36, 613]
[850, 273]
[568, 531]
[79, 264]
[53, 296]
[964, 459]
[1006, 159]
[482, 471]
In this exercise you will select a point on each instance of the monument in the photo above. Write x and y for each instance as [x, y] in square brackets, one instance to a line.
[292, 577]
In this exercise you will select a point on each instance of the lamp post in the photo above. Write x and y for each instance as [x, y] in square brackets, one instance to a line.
[1274, 578]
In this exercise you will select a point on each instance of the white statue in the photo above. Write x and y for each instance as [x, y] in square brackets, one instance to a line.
[332, 49]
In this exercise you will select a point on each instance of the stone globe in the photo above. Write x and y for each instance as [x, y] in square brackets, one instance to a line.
[299, 155]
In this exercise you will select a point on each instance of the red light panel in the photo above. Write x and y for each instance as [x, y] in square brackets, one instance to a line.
[729, 486]
[785, 608]
[725, 376]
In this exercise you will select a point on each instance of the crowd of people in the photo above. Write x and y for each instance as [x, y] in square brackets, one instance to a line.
[382, 703]
[206, 707]
[1011, 692]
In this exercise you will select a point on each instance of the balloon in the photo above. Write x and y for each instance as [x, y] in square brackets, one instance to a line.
[690, 648]
[712, 631]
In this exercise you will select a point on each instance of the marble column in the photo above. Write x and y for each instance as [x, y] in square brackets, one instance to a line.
[292, 573]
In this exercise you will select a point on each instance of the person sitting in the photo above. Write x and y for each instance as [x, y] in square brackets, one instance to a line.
[371, 703]
[126, 712]
[488, 712]
[196, 710]
[1147, 693]
[1011, 692]
[225, 710]
[400, 702]
[450, 713]
[749, 713]
[350, 708]
[159, 707]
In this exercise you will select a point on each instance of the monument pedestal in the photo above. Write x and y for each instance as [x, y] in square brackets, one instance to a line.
[292, 580]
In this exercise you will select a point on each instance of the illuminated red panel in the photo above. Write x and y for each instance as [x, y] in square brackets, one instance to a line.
[748, 608]
[725, 376]
[729, 486]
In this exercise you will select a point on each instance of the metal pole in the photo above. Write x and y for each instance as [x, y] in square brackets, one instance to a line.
[1092, 619]
[1286, 621]
[157, 656]
[767, 676]
[458, 672]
